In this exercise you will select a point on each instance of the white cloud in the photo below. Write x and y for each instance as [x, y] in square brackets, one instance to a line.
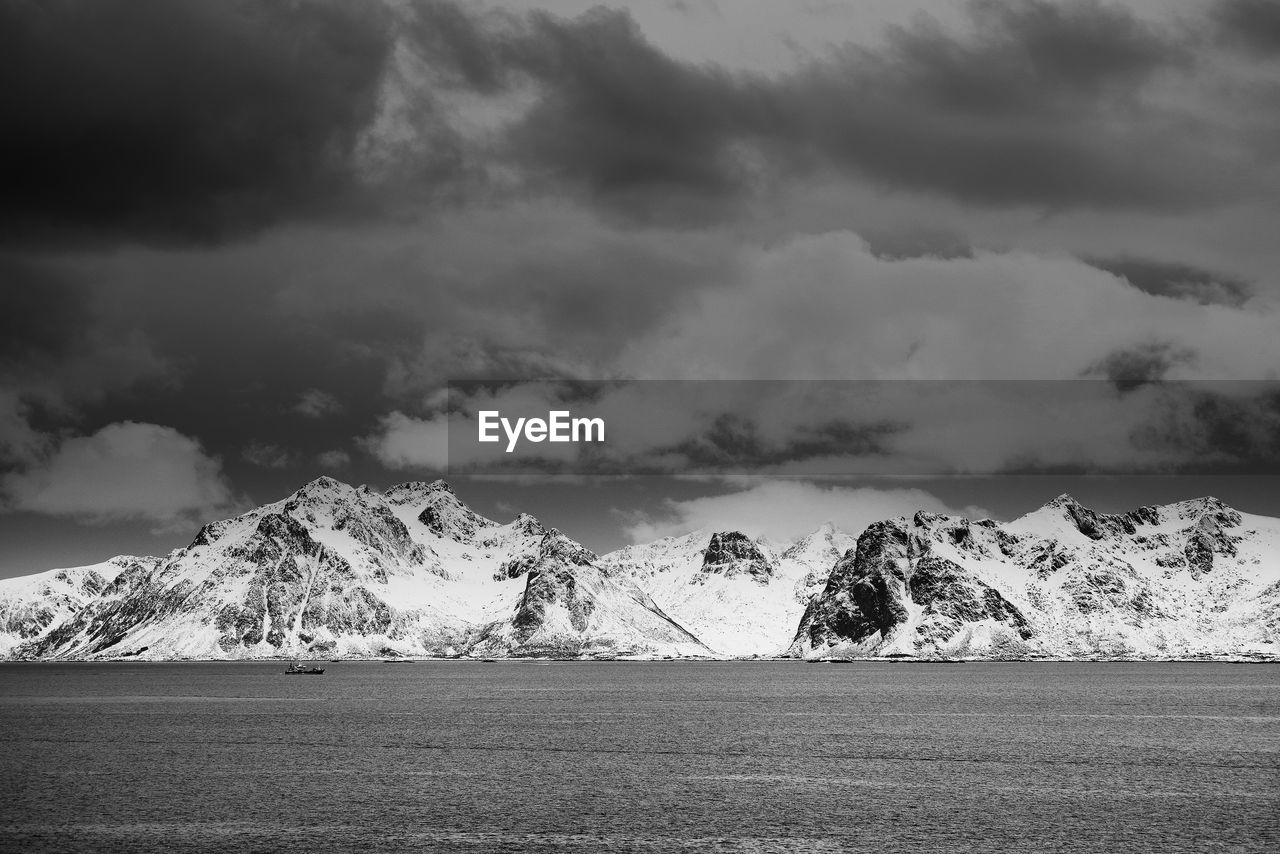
[787, 509]
[404, 442]
[826, 307]
[125, 471]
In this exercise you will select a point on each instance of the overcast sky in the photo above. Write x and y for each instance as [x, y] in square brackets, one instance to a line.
[245, 244]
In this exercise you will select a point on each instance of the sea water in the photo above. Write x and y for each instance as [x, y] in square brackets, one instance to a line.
[629, 756]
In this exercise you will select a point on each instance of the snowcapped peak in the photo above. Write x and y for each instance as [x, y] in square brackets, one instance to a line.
[415, 491]
[820, 537]
[323, 494]
[324, 487]
[733, 553]
[925, 519]
[435, 487]
[526, 524]
[1206, 509]
[729, 537]
[442, 511]
[821, 547]
[1064, 506]
[1066, 517]
[1207, 504]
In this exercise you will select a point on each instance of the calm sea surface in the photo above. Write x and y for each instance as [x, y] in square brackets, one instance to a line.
[585, 757]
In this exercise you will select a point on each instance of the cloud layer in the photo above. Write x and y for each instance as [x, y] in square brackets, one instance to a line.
[785, 510]
[276, 231]
[126, 471]
[836, 310]
[209, 120]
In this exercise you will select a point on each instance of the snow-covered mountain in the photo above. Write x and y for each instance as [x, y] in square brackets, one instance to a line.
[336, 571]
[1186, 579]
[740, 596]
[33, 604]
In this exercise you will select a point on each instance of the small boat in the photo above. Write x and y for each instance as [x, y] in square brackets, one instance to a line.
[297, 668]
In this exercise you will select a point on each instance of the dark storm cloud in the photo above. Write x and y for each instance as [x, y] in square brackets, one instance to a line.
[55, 347]
[1179, 281]
[41, 313]
[614, 115]
[1136, 366]
[192, 120]
[180, 119]
[1135, 421]
[1220, 427]
[628, 122]
[1044, 104]
[1251, 24]
[468, 47]
[733, 443]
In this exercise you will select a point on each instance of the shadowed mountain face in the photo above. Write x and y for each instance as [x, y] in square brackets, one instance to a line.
[1186, 579]
[337, 571]
[733, 554]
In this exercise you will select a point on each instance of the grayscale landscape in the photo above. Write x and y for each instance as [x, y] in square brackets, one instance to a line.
[335, 571]
[639, 426]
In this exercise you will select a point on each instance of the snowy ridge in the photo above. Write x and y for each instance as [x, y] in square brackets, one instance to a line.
[335, 571]
[1195, 578]
[32, 605]
[740, 597]
[339, 571]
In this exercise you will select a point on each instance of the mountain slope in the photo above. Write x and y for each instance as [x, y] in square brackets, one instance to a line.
[334, 570]
[1186, 579]
[32, 605]
[740, 597]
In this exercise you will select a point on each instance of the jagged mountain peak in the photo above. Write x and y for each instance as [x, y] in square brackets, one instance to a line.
[418, 490]
[348, 571]
[731, 553]
[445, 515]
[1065, 517]
[552, 548]
[1065, 579]
[327, 502]
[529, 525]
[1065, 504]
[1188, 507]
[825, 541]
[927, 519]
[323, 498]
[1199, 507]
[325, 486]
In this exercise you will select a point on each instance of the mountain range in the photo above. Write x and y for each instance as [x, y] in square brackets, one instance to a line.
[335, 571]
